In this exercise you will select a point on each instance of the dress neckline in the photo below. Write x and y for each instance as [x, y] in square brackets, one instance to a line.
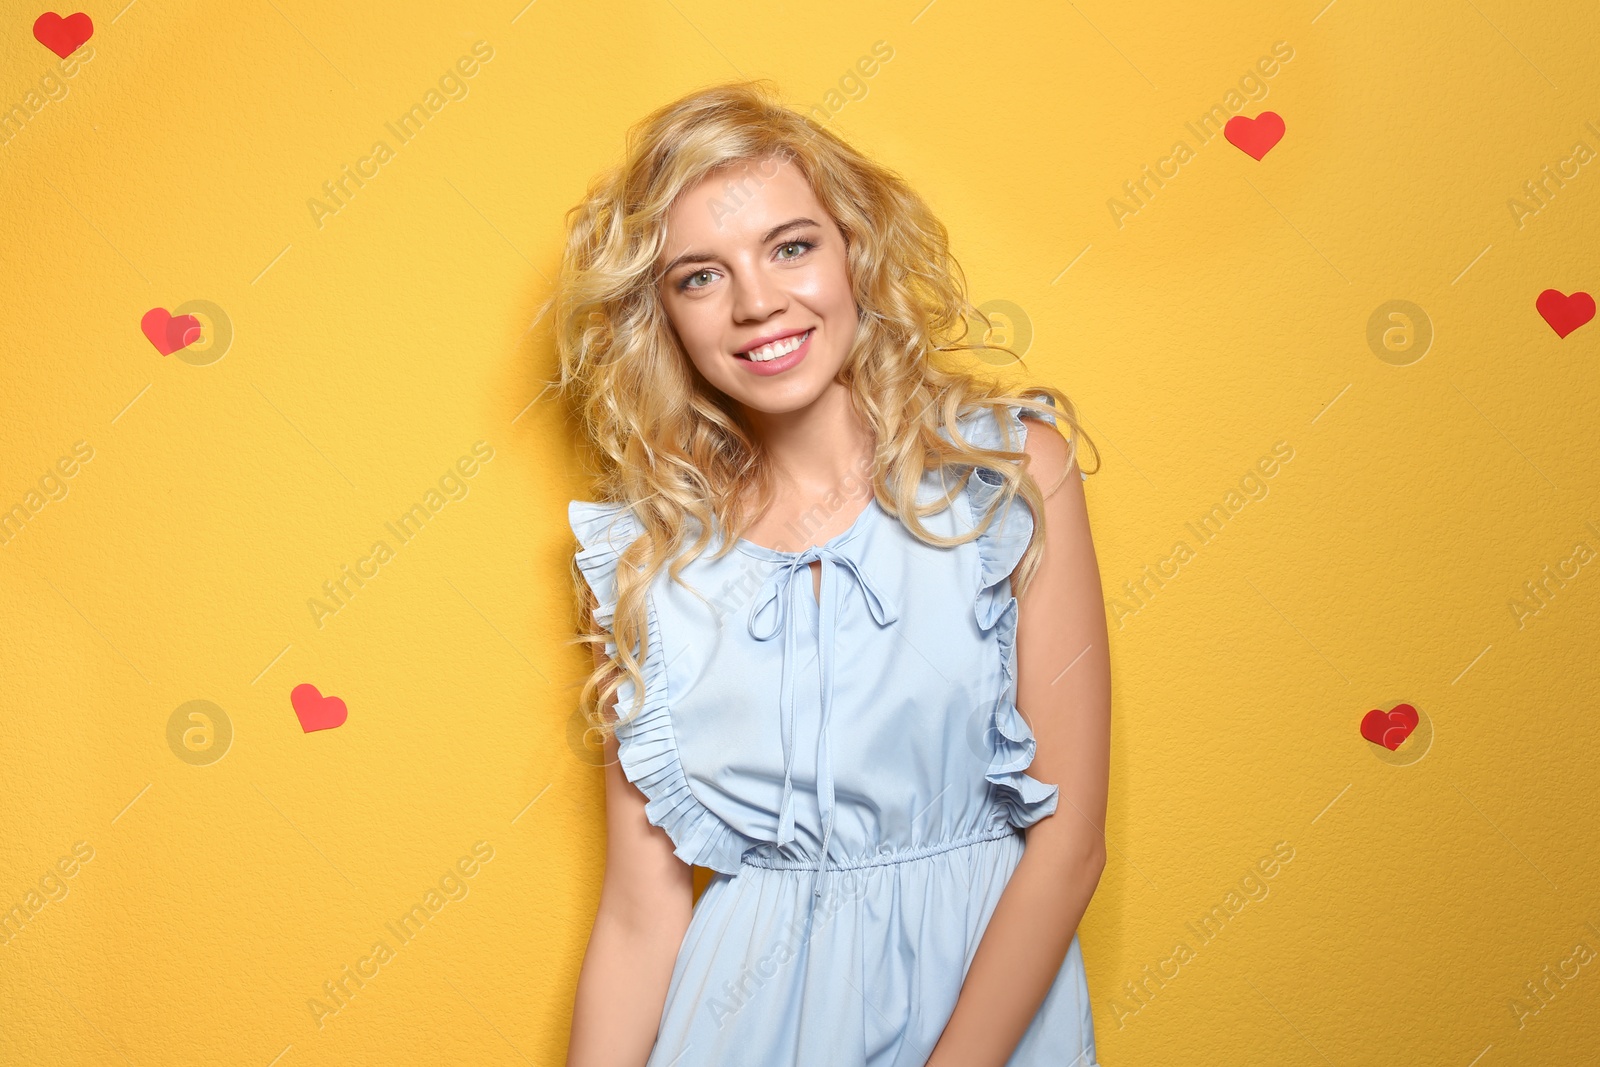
[750, 548]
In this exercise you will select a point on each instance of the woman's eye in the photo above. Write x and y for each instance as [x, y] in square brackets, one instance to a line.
[800, 247]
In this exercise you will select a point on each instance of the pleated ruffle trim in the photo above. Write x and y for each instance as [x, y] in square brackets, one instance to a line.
[646, 746]
[1024, 798]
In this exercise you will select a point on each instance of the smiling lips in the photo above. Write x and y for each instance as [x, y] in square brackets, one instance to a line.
[775, 349]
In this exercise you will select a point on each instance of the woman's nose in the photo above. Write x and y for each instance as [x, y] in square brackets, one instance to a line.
[755, 296]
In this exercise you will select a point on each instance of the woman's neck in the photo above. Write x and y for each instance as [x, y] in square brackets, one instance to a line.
[821, 456]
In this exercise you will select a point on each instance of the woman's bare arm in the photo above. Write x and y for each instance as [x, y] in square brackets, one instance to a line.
[1064, 687]
[645, 904]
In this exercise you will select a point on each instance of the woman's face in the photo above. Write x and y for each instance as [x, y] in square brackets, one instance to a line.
[752, 257]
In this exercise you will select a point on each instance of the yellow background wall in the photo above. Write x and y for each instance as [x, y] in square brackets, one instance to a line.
[374, 346]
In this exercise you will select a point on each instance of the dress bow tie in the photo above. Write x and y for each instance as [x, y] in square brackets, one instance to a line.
[777, 591]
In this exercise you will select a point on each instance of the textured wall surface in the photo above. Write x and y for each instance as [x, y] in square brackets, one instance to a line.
[289, 771]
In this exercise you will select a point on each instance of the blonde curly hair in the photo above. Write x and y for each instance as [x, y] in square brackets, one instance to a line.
[672, 447]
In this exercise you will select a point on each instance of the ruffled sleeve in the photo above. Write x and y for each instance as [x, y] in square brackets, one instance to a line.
[646, 746]
[1024, 798]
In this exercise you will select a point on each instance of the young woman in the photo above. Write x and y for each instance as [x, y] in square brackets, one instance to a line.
[818, 609]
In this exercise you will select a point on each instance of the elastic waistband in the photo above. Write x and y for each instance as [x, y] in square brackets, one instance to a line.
[902, 856]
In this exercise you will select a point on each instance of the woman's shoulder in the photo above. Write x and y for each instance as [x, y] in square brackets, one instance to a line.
[999, 427]
[1010, 522]
[602, 523]
[603, 530]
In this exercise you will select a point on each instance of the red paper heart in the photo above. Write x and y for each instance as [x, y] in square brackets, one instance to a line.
[169, 334]
[315, 711]
[1565, 313]
[1389, 728]
[1254, 137]
[63, 36]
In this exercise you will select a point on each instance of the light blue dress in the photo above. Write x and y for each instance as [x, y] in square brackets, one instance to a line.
[854, 770]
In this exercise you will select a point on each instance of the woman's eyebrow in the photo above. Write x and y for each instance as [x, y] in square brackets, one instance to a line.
[702, 257]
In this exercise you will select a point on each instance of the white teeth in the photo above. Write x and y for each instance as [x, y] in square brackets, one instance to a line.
[777, 348]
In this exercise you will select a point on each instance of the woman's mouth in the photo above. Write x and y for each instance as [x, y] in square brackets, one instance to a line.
[778, 356]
